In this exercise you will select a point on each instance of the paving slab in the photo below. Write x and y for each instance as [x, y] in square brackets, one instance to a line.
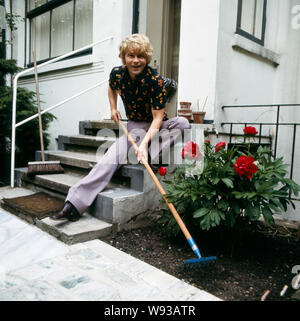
[87, 228]
[35, 266]
[22, 244]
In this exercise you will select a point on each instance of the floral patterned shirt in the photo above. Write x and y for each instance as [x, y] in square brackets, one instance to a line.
[141, 96]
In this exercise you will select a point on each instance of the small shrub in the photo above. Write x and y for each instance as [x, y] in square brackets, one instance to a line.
[228, 186]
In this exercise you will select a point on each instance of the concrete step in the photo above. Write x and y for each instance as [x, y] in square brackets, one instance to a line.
[75, 159]
[86, 229]
[85, 161]
[57, 182]
[94, 127]
[85, 143]
[116, 204]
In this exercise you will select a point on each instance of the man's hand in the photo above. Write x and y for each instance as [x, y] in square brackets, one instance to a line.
[115, 116]
[114, 113]
[142, 153]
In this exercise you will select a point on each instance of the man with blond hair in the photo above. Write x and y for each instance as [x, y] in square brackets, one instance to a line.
[144, 95]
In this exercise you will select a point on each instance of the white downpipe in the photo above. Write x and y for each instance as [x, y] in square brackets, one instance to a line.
[14, 104]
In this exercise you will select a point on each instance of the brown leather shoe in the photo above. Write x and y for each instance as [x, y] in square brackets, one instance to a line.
[68, 212]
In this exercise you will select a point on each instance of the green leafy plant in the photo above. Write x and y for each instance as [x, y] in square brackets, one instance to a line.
[12, 21]
[27, 135]
[228, 186]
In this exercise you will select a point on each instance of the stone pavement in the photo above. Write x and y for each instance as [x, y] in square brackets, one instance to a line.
[35, 266]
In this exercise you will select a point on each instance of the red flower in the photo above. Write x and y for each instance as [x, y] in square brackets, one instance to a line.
[249, 130]
[219, 146]
[162, 171]
[191, 150]
[207, 141]
[245, 166]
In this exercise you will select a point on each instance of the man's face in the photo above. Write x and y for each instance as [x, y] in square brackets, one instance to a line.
[135, 63]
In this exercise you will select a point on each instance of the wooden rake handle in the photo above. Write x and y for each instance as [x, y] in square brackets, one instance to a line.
[158, 185]
[39, 106]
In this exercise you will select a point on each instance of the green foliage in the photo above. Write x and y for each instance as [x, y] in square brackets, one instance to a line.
[27, 135]
[13, 20]
[8, 66]
[219, 196]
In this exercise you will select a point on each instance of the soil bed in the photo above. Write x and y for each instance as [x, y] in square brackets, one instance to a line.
[248, 263]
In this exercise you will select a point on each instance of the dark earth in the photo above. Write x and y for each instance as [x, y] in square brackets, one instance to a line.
[249, 263]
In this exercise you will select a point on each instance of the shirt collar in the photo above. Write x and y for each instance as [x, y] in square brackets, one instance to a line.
[139, 77]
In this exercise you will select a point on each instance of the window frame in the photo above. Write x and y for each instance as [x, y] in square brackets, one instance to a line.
[48, 7]
[246, 34]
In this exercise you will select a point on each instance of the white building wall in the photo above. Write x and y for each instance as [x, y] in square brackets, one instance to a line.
[269, 77]
[243, 77]
[198, 53]
[66, 78]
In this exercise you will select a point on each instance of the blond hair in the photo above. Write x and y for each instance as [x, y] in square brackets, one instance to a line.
[137, 43]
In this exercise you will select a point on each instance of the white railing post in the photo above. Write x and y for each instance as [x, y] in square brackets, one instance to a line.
[13, 133]
[14, 103]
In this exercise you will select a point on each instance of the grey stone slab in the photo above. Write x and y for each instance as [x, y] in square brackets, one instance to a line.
[84, 140]
[87, 228]
[76, 159]
[136, 173]
[8, 192]
[61, 182]
[118, 205]
[90, 127]
[137, 280]
[104, 124]
[22, 244]
[37, 291]
[115, 256]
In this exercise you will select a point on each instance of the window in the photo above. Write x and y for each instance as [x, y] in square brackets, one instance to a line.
[59, 26]
[251, 20]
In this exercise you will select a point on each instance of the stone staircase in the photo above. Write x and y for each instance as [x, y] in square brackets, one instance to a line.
[130, 193]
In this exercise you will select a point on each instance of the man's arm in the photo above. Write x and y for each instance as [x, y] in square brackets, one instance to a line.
[113, 98]
[158, 116]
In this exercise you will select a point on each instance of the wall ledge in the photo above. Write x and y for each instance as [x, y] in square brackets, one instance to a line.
[243, 44]
[62, 65]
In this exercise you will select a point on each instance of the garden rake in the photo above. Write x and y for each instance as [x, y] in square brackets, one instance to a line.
[188, 263]
[42, 167]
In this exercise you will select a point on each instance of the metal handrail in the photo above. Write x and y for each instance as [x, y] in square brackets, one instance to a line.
[14, 104]
[271, 105]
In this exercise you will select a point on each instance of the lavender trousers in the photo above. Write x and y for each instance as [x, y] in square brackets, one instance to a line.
[84, 192]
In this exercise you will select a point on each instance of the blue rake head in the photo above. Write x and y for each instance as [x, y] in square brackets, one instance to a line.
[200, 261]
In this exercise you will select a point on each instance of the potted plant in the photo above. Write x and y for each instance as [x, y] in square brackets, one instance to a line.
[198, 115]
[185, 110]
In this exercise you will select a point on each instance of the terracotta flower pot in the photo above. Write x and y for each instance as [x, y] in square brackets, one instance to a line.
[188, 116]
[184, 111]
[198, 116]
[185, 104]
